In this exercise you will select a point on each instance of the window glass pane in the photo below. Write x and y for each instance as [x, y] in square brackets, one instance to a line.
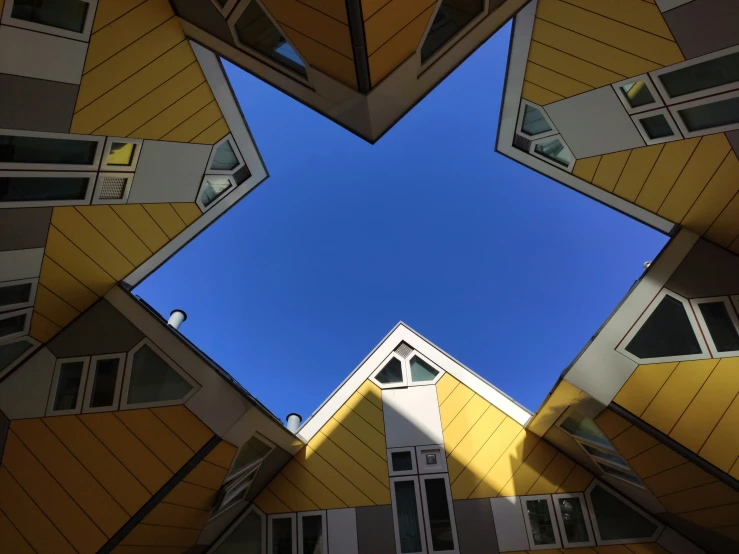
[573, 520]
[282, 536]
[255, 29]
[637, 94]
[667, 332]
[12, 324]
[534, 122]
[62, 14]
[121, 153]
[67, 389]
[246, 538]
[702, 76]
[15, 294]
[402, 461]
[312, 535]
[451, 18]
[584, 428]
[610, 470]
[35, 189]
[11, 352]
[707, 116]
[609, 457]
[616, 520]
[440, 523]
[391, 373]
[224, 158]
[214, 187]
[37, 150]
[152, 380]
[103, 385]
[407, 511]
[253, 451]
[542, 530]
[720, 326]
[421, 371]
[555, 150]
[656, 126]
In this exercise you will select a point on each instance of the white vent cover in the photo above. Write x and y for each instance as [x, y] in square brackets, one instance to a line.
[403, 350]
[112, 188]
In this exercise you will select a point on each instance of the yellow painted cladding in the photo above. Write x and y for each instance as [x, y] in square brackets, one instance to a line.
[695, 403]
[344, 464]
[579, 45]
[141, 78]
[680, 486]
[489, 454]
[70, 482]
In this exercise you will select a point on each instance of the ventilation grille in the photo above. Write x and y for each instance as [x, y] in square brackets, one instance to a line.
[403, 350]
[521, 143]
[242, 175]
[112, 188]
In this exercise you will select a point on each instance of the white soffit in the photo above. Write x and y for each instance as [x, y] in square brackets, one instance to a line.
[434, 354]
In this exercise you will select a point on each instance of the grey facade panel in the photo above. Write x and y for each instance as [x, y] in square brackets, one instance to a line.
[705, 26]
[100, 330]
[733, 137]
[707, 270]
[710, 541]
[375, 531]
[206, 16]
[271, 466]
[23, 228]
[36, 105]
[475, 526]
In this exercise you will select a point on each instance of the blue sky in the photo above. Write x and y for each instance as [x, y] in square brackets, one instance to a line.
[509, 272]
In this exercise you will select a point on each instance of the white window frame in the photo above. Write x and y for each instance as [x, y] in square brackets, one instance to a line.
[91, 176]
[104, 166]
[127, 378]
[694, 61]
[91, 372]
[658, 102]
[596, 531]
[34, 345]
[26, 325]
[420, 510]
[423, 467]
[730, 309]
[236, 523]
[228, 138]
[705, 354]
[99, 188]
[273, 517]
[532, 151]
[637, 119]
[560, 520]
[246, 469]
[228, 191]
[80, 391]
[426, 519]
[404, 472]
[606, 468]
[84, 36]
[234, 492]
[424, 359]
[519, 123]
[527, 522]
[324, 535]
[31, 295]
[677, 108]
[381, 366]
[62, 136]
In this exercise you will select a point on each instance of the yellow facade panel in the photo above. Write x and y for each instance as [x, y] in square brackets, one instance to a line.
[206, 475]
[585, 168]
[166, 218]
[633, 442]
[120, 235]
[363, 454]
[553, 81]
[192, 496]
[455, 402]
[624, 37]
[141, 223]
[609, 170]
[332, 479]
[290, 495]
[186, 425]
[680, 478]
[704, 496]
[537, 95]
[126, 30]
[71, 475]
[10, 538]
[506, 466]
[577, 481]
[110, 10]
[332, 8]
[464, 421]
[670, 164]
[177, 113]
[320, 56]
[53, 308]
[394, 16]
[720, 516]
[269, 503]
[367, 411]
[445, 386]
[630, 12]
[188, 211]
[195, 124]
[373, 393]
[643, 386]
[65, 286]
[611, 424]
[719, 191]
[553, 476]
[64, 253]
[29, 520]
[158, 536]
[655, 460]
[42, 329]
[311, 487]
[212, 134]
[362, 430]
[722, 446]
[708, 156]
[572, 67]
[370, 7]
[636, 171]
[222, 455]
[170, 515]
[530, 470]
[158, 438]
[473, 441]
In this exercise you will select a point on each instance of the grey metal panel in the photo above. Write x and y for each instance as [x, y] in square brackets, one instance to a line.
[509, 525]
[710, 541]
[704, 26]
[206, 16]
[100, 330]
[4, 426]
[24, 393]
[169, 172]
[271, 466]
[24, 228]
[41, 56]
[665, 5]
[375, 531]
[707, 270]
[594, 123]
[341, 526]
[733, 137]
[36, 105]
[475, 526]
[20, 264]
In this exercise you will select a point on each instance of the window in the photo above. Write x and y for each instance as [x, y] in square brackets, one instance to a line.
[247, 535]
[539, 519]
[667, 331]
[225, 158]
[17, 294]
[616, 520]
[720, 325]
[412, 370]
[402, 461]
[213, 188]
[65, 18]
[708, 115]
[406, 515]
[583, 428]
[574, 522]
[153, 379]
[13, 352]
[710, 74]
[14, 324]
[441, 529]
[421, 371]
[638, 94]
[104, 383]
[391, 373]
[312, 533]
[431, 459]
[234, 492]
[282, 534]
[553, 150]
[533, 121]
[112, 188]
[121, 154]
[250, 454]
[657, 126]
[51, 151]
[41, 188]
[451, 18]
[69, 381]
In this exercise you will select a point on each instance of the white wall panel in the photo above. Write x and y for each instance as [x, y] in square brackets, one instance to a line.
[342, 531]
[25, 392]
[509, 524]
[412, 416]
[20, 264]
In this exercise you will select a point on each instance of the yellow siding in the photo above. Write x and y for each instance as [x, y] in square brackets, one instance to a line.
[67, 256]
[143, 225]
[708, 209]
[538, 95]
[166, 217]
[112, 227]
[609, 170]
[570, 66]
[42, 329]
[585, 168]
[53, 308]
[637, 170]
[159, 536]
[643, 386]
[670, 164]
[630, 12]
[324, 58]
[110, 10]
[553, 81]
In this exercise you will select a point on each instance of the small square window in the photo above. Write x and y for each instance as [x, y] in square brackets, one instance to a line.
[638, 94]
[402, 461]
[657, 126]
[121, 154]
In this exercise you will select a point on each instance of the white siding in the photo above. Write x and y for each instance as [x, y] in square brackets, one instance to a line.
[412, 416]
[509, 524]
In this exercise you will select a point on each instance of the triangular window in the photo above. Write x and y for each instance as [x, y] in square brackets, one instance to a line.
[392, 373]
[11, 352]
[421, 371]
[451, 17]
[154, 380]
[245, 537]
[553, 149]
[534, 123]
[224, 158]
[617, 520]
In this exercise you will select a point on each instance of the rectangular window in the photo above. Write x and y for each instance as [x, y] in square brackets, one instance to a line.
[70, 376]
[312, 533]
[104, 383]
[35, 189]
[41, 152]
[282, 534]
[406, 515]
[441, 532]
[402, 461]
[721, 114]
[65, 18]
[17, 294]
[620, 474]
[711, 75]
[720, 325]
[235, 491]
[250, 455]
[15, 324]
[539, 519]
[574, 521]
